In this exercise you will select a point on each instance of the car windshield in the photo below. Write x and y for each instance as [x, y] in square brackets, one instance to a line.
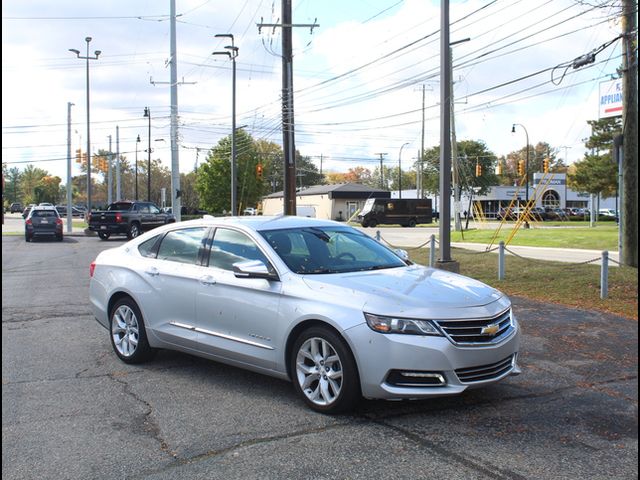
[318, 250]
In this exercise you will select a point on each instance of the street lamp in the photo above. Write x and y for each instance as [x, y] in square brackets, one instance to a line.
[232, 53]
[136, 169]
[87, 58]
[400, 170]
[526, 169]
[147, 113]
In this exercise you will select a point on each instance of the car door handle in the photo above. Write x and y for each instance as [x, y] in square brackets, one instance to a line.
[207, 280]
[153, 271]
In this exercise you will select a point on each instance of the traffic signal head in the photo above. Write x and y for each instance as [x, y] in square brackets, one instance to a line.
[478, 170]
[499, 168]
[545, 165]
[78, 155]
[521, 168]
[259, 171]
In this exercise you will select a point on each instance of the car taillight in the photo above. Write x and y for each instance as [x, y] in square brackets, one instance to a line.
[28, 222]
[59, 221]
[92, 268]
[118, 217]
[88, 217]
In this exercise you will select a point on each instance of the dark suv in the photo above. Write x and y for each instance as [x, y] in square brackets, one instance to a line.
[43, 221]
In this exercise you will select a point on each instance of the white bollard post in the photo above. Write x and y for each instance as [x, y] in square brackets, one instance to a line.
[432, 251]
[501, 260]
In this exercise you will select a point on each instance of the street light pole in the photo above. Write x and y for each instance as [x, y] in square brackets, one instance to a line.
[232, 53]
[136, 169]
[526, 169]
[400, 170]
[147, 113]
[87, 58]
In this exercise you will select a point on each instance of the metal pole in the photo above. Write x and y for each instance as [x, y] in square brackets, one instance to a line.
[400, 170]
[69, 185]
[117, 162]
[432, 252]
[147, 113]
[501, 260]
[109, 176]
[234, 180]
[136, 168]
[604, 275]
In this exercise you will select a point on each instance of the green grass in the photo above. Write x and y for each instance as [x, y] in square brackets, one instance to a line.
[601, 237]
[553, 282]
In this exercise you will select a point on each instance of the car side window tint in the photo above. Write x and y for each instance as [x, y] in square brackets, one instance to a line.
[230, 247]
[146, 248]
[153, 209]
[144, 208]
[182, 245]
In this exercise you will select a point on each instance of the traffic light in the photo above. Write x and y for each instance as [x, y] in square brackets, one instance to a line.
[78, 155]
[521, 168]
[545, 165]
[478, 170]
[499, 168]
[259, 171]
[84, 158]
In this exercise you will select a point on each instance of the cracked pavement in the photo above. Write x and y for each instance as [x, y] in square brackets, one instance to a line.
[71, 409]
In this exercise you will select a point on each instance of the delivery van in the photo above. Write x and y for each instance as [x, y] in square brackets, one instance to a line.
[388, 211]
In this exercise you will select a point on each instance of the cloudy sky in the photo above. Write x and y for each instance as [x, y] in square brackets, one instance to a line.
[359, 77]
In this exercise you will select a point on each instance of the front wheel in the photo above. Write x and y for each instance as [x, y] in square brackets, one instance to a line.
[104, 236]
[324, 371]
[373, 223]
[128, 334]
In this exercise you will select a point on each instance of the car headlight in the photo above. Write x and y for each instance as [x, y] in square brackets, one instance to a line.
[408, 326]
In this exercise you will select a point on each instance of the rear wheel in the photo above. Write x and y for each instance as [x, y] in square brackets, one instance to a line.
[104, 236]
[128, 334]
[27, 237]
[372, 223]
[412, 222]
[324, 371]
[59, 237]
[134, 231]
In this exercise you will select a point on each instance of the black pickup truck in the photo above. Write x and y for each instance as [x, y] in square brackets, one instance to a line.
[127, 218]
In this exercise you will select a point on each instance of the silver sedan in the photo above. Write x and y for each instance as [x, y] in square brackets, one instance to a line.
[312, 301]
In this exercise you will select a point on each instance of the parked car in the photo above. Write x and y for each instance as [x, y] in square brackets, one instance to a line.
[27, 209]
[16, 207]
[43, 221]
[313, 301]
[250, 211]
[75, 212]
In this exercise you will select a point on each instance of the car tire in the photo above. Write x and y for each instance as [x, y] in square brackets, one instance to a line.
[412, 223]
[326, 388]
[134, 231]
[373, 223]
[59, 237]
[365, 223]
[104, 236]
[27, 238]
[128, 333]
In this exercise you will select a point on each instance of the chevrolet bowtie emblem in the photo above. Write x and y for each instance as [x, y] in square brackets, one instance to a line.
[490, 329]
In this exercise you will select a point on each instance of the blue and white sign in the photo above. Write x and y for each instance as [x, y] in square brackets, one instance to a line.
[610, 99]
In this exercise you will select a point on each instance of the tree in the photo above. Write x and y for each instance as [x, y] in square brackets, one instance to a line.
[597, 173]
[30, 179]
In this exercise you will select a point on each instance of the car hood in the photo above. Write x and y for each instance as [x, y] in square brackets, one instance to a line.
[413, 291]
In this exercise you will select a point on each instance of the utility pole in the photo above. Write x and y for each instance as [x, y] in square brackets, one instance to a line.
[445, 262]
[109, 176]
[629, 220]
[381, 170]
[69, 183]
[175, 161]
[288, 132]
[421, 163]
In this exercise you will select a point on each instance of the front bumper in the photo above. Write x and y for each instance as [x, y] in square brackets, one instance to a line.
[381, 356]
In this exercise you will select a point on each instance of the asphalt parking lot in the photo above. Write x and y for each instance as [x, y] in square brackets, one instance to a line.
[72, 410]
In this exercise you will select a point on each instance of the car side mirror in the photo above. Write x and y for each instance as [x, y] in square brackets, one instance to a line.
[254, 269]
[404, 255]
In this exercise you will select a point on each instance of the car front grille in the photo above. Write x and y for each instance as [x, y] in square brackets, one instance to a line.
[486, 372]
[478, 332]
